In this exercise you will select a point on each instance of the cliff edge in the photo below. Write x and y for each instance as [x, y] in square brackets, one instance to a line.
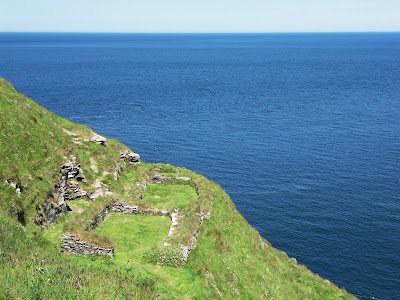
[82, 216]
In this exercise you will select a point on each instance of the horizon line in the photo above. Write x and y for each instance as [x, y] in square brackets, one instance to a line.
[200, 32]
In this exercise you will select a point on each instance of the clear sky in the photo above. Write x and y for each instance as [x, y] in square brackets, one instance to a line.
[199, 16]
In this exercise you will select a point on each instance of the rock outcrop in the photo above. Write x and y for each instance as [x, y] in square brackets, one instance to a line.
[57, 200]
[50, 212]
[98, 139]
[73, 170]
[132, 158]
[98, 190]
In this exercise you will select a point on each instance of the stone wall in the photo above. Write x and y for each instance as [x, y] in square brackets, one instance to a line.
[124, 208]
[100, 218]
[186, 249]
[70, 243]
[60, 194]
[154, 212]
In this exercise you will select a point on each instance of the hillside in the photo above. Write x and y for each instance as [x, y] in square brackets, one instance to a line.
[147, 231]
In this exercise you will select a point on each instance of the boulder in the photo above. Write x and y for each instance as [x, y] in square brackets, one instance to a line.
[98, 139]
[132, 158]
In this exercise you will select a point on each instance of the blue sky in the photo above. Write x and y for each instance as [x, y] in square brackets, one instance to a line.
[199, 16]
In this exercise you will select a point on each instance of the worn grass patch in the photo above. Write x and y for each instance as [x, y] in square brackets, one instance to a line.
[170, 196]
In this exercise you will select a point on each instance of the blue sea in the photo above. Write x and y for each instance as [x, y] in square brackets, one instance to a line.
[302, 130]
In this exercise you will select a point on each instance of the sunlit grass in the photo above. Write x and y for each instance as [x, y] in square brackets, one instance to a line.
[134, 234]
[31, 268]
[169, 196]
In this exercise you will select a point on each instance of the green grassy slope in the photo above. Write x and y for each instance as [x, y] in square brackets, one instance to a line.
[230, 260]
[31, 268]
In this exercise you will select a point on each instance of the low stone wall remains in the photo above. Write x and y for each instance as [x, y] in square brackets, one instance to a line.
[124, 208]
[100, 218]
[70, 243]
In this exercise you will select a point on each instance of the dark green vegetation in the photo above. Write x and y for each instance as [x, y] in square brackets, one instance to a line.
[230, 259]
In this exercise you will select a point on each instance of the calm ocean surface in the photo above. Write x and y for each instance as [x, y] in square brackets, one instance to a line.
[302, 130]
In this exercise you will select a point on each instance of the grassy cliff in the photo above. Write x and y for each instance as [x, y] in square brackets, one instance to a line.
[186, 239]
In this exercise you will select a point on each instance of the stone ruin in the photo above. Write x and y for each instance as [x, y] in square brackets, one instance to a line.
[70, 243]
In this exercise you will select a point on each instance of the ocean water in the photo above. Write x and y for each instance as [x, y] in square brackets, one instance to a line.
[302, 130]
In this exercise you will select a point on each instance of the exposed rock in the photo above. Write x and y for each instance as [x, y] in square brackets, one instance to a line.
[98, 139]
[108, 193]
[143, 188]
[98, 190]
[118, 171]
[61, 193]
[76, 141]
[69, 132]
[70, 243]
[132, 158]
[74, 170]
[51, 211]
[74, 191]
[183, 178]
[174, 225]
[157, 178]
[15, 186]
[124, 208]
[71, 190]
[97, 184]
[154, 212]
[93, 165]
